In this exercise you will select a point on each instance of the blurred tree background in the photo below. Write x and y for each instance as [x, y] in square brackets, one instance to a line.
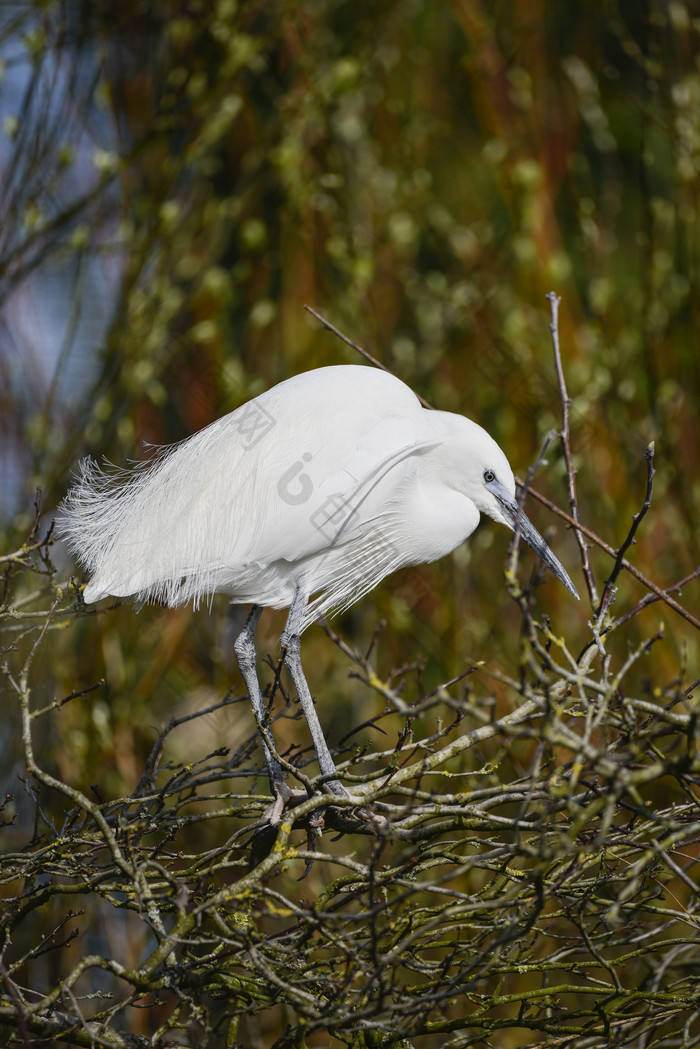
[180, 177]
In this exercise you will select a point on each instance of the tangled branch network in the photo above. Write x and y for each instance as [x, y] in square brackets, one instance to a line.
[533, 874]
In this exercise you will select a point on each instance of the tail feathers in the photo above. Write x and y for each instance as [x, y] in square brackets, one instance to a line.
[101, 518]
[131, 531]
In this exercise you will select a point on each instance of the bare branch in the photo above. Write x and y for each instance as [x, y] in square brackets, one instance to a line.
[554, 301]
[661, 594]
[609, 588]
[355, 346]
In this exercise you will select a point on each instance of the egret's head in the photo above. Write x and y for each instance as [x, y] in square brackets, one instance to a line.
[491, 486]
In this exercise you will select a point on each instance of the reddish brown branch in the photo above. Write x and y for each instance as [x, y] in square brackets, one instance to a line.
[663, 595]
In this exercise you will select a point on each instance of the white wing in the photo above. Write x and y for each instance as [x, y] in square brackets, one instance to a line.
[305, 467]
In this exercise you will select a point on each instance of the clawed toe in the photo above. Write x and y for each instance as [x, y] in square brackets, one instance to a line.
[337, 789]
[287, 797]
[284, 796]
[370, 817]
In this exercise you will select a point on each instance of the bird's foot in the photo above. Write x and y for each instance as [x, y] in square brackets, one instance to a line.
[334, 787]
[341, 818]
[287, 797]
[370, 817]
[284, 796]
[286, 642]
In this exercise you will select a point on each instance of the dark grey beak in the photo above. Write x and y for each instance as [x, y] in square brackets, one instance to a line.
[512, 514]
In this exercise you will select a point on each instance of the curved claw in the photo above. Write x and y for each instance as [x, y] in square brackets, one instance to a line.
[313, 832]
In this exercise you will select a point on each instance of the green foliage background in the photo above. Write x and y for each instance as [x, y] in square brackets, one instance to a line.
[420, 173]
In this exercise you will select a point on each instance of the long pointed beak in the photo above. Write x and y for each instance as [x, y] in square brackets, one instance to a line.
[511, 514]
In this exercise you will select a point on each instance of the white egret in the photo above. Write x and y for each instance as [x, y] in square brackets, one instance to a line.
[303, 498]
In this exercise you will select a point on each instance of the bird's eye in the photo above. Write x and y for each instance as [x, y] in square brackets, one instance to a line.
[489, 476]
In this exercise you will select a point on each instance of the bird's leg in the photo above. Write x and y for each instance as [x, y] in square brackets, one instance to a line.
[291, 651]
[291, 647]
[244, 648]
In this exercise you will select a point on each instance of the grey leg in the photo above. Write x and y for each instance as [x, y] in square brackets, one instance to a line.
[291, 645]
[244, 648]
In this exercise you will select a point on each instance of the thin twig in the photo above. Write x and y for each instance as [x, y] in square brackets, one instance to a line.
[18, 1004]
[523, 489]
[37, 517]
[663, 595]
[609, 589]
[554, 301]
[360, 349]
[649, 599]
